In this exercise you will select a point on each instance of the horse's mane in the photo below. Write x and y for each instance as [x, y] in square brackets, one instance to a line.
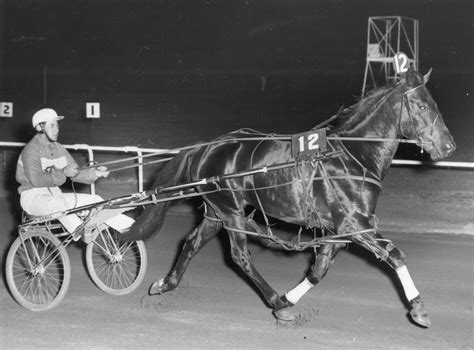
[348, 117]
[343, 120]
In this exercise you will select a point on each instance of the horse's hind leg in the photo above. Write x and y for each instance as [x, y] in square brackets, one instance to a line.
[193, 243]
[324, 258]
[241, 256]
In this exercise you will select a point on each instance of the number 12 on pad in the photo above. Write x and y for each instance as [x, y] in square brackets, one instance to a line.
[313, 141]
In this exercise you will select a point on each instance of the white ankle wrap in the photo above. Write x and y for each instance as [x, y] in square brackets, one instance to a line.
[408, 286]
[296, 293]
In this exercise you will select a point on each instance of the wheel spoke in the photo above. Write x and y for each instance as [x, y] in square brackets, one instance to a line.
[116, 267]
[37, 270]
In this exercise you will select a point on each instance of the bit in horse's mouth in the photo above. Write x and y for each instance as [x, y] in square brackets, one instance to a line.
[436, 153]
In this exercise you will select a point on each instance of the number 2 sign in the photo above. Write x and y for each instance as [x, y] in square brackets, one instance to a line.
[6, 109]
[309, 142]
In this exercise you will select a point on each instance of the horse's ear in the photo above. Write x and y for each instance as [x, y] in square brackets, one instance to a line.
[426, 77]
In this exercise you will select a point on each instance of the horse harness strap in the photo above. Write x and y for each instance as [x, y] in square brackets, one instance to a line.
[292, 245]
[310, 212]
[405, 101]
[267, 222]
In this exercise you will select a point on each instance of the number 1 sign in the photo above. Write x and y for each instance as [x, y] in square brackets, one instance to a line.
[92, 110]
[309, 142]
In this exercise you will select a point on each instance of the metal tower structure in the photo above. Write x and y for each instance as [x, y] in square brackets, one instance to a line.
[387, 36]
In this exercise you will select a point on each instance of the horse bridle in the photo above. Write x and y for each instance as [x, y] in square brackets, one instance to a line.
[405, 101]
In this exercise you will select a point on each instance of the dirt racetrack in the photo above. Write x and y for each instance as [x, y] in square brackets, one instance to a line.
[357, 305]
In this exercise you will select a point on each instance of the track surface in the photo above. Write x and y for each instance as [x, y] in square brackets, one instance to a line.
[357, 305]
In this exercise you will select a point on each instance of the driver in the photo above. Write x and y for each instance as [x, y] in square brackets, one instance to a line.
[44, 165]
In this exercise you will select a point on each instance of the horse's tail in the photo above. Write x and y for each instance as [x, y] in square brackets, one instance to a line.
[151, 220]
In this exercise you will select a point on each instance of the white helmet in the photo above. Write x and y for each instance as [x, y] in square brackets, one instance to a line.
[45, 115]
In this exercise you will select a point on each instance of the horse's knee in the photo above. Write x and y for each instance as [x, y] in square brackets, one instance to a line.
[383, 249]
[323, 261]
[319, 269]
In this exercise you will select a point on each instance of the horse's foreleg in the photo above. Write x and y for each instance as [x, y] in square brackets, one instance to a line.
[193, 243]
[394, 257]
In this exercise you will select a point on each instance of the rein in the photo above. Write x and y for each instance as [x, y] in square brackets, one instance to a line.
[270, 137]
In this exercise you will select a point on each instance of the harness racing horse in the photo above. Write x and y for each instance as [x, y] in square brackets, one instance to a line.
[338, 194]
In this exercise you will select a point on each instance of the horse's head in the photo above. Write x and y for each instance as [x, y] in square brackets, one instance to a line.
[420, 118]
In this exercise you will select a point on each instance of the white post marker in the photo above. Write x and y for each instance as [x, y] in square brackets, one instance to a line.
[301, 289]
[408, 286]
[93, 110]
[6, 109]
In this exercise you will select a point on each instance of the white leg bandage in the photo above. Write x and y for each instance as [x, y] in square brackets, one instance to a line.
[408, 286]
[296, 293]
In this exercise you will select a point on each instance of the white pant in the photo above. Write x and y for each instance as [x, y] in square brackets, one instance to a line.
[46, 201]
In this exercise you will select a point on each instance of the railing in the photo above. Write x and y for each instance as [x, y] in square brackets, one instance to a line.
[140, 151]
[440, 164]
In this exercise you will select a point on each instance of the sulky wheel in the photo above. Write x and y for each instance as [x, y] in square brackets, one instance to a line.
[116, 267]
[38, 270]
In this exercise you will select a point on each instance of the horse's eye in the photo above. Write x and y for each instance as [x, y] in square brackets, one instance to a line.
[422, 107]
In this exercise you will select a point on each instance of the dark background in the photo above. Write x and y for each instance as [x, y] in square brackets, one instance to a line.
[172, 73]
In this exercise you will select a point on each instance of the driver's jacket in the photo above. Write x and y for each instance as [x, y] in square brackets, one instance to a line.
[41, 164]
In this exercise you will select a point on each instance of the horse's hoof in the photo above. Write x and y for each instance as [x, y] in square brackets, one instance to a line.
[418, 313]
[284, 317]
[156, 287]
[422, 320]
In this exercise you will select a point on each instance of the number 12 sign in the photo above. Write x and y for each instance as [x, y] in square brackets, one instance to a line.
[309, 142]
[401, 63]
